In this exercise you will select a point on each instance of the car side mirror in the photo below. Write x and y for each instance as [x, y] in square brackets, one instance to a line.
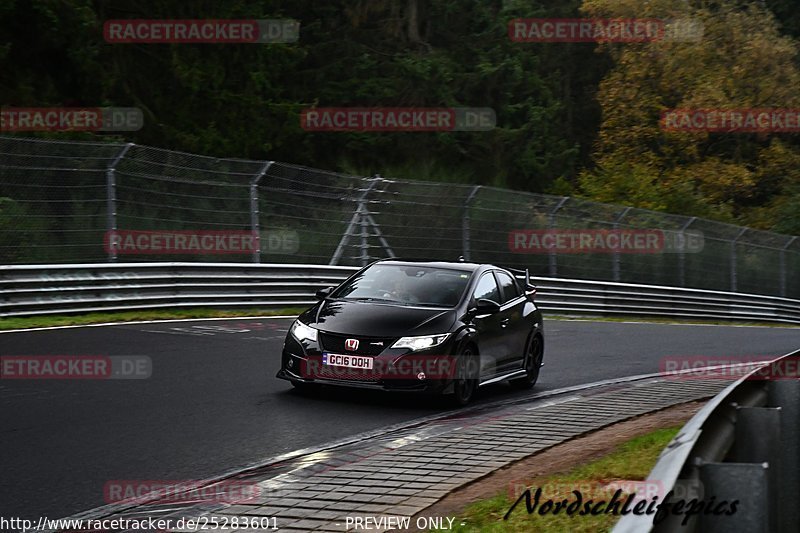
[487, 307]
[323, 293]
[530, 291]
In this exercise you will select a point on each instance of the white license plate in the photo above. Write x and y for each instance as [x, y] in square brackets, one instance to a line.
[348, 361]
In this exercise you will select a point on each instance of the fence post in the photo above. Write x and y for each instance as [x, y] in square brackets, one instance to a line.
[255, 225]
[682, 253]
[552, 257]
[783, 265]
[733, 259]
[615, 264]
[465, 223]
[111, 200]
[364, 256]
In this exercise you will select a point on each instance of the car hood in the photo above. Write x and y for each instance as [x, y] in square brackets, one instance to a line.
[372, 319]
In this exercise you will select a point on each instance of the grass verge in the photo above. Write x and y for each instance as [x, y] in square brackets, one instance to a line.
[632, 460]
[133, 316]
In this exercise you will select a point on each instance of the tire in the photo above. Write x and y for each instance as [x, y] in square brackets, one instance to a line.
[465, 383]
[533, 362]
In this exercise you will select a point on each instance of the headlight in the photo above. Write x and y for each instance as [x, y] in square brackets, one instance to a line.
[302, 332]
[420, 343]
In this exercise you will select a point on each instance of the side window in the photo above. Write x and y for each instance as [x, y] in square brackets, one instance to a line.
[487, 288]
[508, 285]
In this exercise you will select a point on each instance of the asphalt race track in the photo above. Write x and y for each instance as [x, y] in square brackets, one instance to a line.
[213, 403]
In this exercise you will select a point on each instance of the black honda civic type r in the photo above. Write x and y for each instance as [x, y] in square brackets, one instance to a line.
[435, 327]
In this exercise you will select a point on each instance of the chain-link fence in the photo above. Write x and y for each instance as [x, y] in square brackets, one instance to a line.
[60, 201]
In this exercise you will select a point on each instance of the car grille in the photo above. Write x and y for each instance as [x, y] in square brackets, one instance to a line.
[366, 345]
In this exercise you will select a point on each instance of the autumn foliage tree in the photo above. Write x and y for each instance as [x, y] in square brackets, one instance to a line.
[742, 61]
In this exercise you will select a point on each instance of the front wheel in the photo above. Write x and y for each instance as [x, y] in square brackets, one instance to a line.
[465, 383]
[533, 362]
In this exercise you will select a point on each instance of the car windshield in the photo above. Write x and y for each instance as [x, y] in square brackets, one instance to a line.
[406, 284]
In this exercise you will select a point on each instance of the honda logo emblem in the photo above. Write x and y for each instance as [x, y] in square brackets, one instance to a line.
[351, 344]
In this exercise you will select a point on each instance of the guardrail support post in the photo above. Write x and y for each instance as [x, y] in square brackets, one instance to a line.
[785, 393]
[465, 223]
[255, 224]
[111, 199]
[745, 482]
[752, 425]
[552, 257]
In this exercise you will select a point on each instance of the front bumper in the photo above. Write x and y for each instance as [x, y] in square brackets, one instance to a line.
[424, 371]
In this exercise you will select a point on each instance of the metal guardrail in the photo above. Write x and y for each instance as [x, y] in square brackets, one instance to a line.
[742, 445]
[27, 290]
[50, 289]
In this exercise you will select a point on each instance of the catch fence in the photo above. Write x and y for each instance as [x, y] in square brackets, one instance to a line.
[59, 201]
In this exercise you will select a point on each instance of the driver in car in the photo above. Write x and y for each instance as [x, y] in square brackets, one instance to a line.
[400, 291]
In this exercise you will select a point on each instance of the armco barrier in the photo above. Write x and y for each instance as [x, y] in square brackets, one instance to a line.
[27, 290]
[741, 446]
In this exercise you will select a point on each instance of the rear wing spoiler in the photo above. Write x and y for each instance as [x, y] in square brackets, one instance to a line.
[530, 289]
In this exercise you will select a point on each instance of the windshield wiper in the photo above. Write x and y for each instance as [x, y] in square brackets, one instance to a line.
[369, 299]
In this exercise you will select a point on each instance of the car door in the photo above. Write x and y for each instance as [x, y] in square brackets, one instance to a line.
[488, 326]
[514, 330]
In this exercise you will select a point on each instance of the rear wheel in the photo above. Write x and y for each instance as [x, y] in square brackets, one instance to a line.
[465, 383]
[533, 362]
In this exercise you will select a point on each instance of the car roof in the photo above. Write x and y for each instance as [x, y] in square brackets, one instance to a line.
[459, 265]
